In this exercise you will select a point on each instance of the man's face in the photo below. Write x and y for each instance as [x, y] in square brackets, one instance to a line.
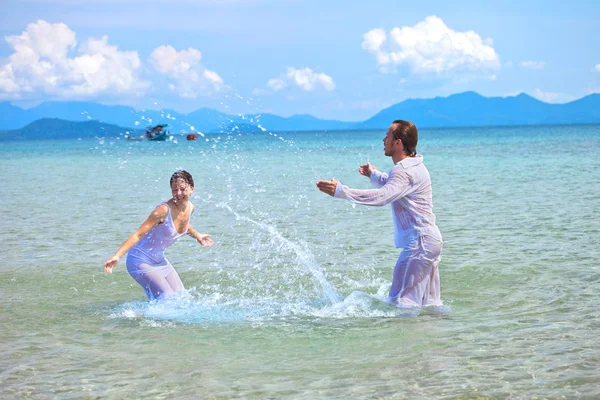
[390, 145]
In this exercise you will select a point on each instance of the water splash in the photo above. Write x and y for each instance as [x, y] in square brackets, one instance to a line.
[304, 256]
[191, 307]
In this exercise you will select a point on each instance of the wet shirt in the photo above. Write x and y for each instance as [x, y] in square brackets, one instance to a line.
[408, 188]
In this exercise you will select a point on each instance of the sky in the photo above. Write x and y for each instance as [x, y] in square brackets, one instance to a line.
[343, 60]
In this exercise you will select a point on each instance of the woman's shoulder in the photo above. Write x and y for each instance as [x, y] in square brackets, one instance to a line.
[162, 209]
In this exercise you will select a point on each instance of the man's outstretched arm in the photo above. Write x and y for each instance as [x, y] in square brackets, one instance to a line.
[397, 186]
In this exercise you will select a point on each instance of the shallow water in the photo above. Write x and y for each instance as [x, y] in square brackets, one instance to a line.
[289, 301]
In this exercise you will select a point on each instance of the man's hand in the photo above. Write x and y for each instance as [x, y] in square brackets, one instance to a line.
[366, 169]
[327, 186]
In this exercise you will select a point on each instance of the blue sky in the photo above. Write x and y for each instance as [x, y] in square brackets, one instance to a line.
[332, 59]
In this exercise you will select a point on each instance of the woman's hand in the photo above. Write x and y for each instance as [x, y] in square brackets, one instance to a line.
[205, 240]
[366, 169]
[110, 264]
[157, 216]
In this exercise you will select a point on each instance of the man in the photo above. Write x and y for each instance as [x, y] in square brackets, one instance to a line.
[416, 279]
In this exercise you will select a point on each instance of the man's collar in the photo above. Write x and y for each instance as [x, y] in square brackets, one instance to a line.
[411, 161]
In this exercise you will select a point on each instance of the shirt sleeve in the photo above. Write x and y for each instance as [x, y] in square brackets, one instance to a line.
[378, 178]
[396, 186]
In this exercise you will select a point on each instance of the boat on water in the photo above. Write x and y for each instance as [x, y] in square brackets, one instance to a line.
[157, 133]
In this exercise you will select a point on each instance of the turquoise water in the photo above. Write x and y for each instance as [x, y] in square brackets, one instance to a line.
[288, 303]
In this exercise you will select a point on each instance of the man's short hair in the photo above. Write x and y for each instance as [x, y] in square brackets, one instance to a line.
[407, 132]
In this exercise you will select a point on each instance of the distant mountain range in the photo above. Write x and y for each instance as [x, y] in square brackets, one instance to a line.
[472, 109]
[463, 109]
[53, 128]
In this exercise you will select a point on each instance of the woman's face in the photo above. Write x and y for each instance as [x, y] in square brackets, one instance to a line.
[181, 190]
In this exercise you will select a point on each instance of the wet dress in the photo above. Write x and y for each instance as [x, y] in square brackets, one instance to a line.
[147, 264]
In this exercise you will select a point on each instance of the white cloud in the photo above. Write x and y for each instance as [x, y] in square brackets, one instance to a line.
[167, 60]
[8, 82]
[309, 80]
[373, 40]
[41, 64]
[551, 97]
[276, 84]
[597, 67]
[535, 65]
[513, 94]
[259, 92]
[304, 78]
[213, 78]
[431, 47]
[103, 67]
[42, 40]
[189, 77]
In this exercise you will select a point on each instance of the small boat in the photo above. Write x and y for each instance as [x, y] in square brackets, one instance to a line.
[157, 133]
[191, 136]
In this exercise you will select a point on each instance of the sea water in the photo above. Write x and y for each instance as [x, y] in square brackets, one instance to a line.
[290, 301]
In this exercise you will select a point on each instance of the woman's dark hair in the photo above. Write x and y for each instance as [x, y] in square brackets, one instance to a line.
[181, 174]
[407, 132]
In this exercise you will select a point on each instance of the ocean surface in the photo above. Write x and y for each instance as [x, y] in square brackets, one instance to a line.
[289, 302]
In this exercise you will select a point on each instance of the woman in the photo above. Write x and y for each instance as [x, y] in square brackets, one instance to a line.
[146, 261]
